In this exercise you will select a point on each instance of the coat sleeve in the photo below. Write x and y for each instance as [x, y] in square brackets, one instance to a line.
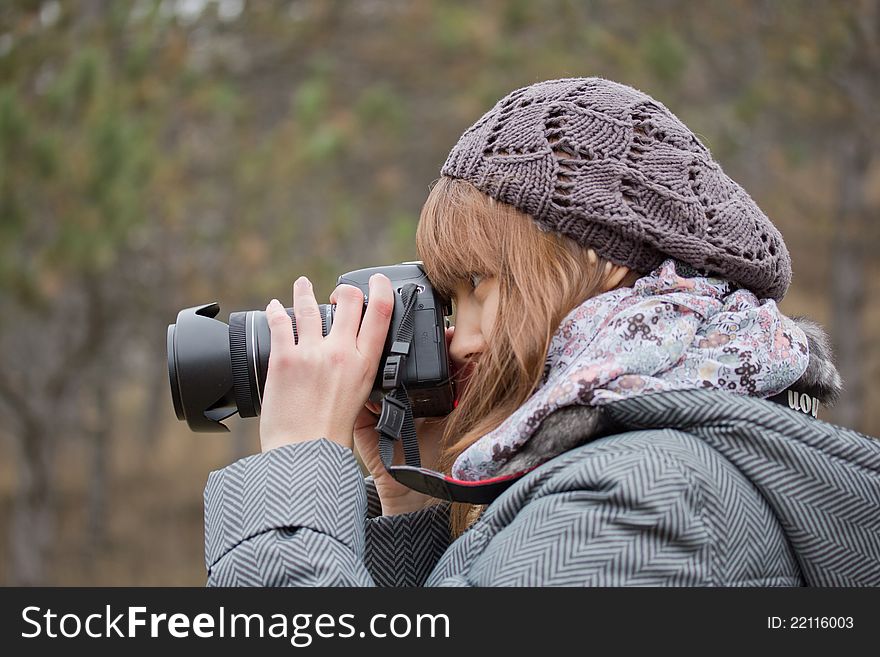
[298, 516]
[402, 550]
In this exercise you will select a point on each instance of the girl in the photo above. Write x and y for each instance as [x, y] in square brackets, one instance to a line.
[616, 343]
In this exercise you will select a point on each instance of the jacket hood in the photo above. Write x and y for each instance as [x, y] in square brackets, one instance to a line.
[821, 481]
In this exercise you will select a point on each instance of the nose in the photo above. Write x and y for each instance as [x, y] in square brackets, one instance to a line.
[466, 345]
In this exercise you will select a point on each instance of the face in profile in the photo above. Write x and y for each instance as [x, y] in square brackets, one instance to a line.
[475, 301]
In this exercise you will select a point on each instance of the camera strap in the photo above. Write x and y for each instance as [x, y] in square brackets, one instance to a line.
[396, 420]
[396, 423]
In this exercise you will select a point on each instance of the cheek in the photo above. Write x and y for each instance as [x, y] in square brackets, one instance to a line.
[490, 311]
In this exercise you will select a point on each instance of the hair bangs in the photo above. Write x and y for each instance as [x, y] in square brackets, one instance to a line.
[455, 209]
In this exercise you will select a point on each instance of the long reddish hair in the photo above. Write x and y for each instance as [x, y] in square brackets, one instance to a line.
[542, 277]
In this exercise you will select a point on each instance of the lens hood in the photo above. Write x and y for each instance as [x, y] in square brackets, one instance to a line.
[201, 387]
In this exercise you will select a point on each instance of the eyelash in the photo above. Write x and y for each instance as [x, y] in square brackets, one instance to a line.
[474, 286]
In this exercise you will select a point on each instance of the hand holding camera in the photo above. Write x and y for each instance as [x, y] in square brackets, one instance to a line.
[316, 385]
[217, 370]
[397, 498]
[316, 371]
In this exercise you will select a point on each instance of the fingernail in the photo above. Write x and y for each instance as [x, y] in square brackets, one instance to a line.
[303, 283]
[275, 304]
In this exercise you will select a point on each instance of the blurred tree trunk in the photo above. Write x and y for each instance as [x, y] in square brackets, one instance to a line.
[848, 276]
[33, 517]
[158, 395]
[98, 482]
[46, 403]
[859, 84]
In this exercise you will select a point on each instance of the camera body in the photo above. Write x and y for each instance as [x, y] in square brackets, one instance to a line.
[216, 370]
[426, 376]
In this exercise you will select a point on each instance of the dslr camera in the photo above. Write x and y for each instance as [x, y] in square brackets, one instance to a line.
[218, 369]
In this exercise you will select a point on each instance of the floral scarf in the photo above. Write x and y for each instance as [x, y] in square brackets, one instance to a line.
[674, 329]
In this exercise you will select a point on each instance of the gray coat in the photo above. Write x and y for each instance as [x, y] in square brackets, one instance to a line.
[693, 488]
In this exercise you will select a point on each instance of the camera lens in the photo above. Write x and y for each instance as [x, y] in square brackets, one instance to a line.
[249, 345]
[216, 370]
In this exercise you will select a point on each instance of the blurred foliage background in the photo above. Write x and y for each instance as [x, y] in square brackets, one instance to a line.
[159, 154]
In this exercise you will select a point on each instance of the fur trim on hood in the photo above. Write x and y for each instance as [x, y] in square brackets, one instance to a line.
[821, 380]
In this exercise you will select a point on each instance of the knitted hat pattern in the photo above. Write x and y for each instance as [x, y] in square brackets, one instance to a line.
[615, 170]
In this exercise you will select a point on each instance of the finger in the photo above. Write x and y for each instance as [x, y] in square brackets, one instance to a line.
[307, 313]
[377, 318]
[280, 330]
[349, 310]
[366, 419]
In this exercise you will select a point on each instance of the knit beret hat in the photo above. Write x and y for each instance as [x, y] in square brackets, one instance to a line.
[615, 170]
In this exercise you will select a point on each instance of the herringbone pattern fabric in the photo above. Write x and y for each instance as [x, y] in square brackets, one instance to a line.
[649, 508]
[822, 481]
[295, 517]
[374, 504]
[289, 557]
[296, 507]
[698, 488]
[403, 550]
